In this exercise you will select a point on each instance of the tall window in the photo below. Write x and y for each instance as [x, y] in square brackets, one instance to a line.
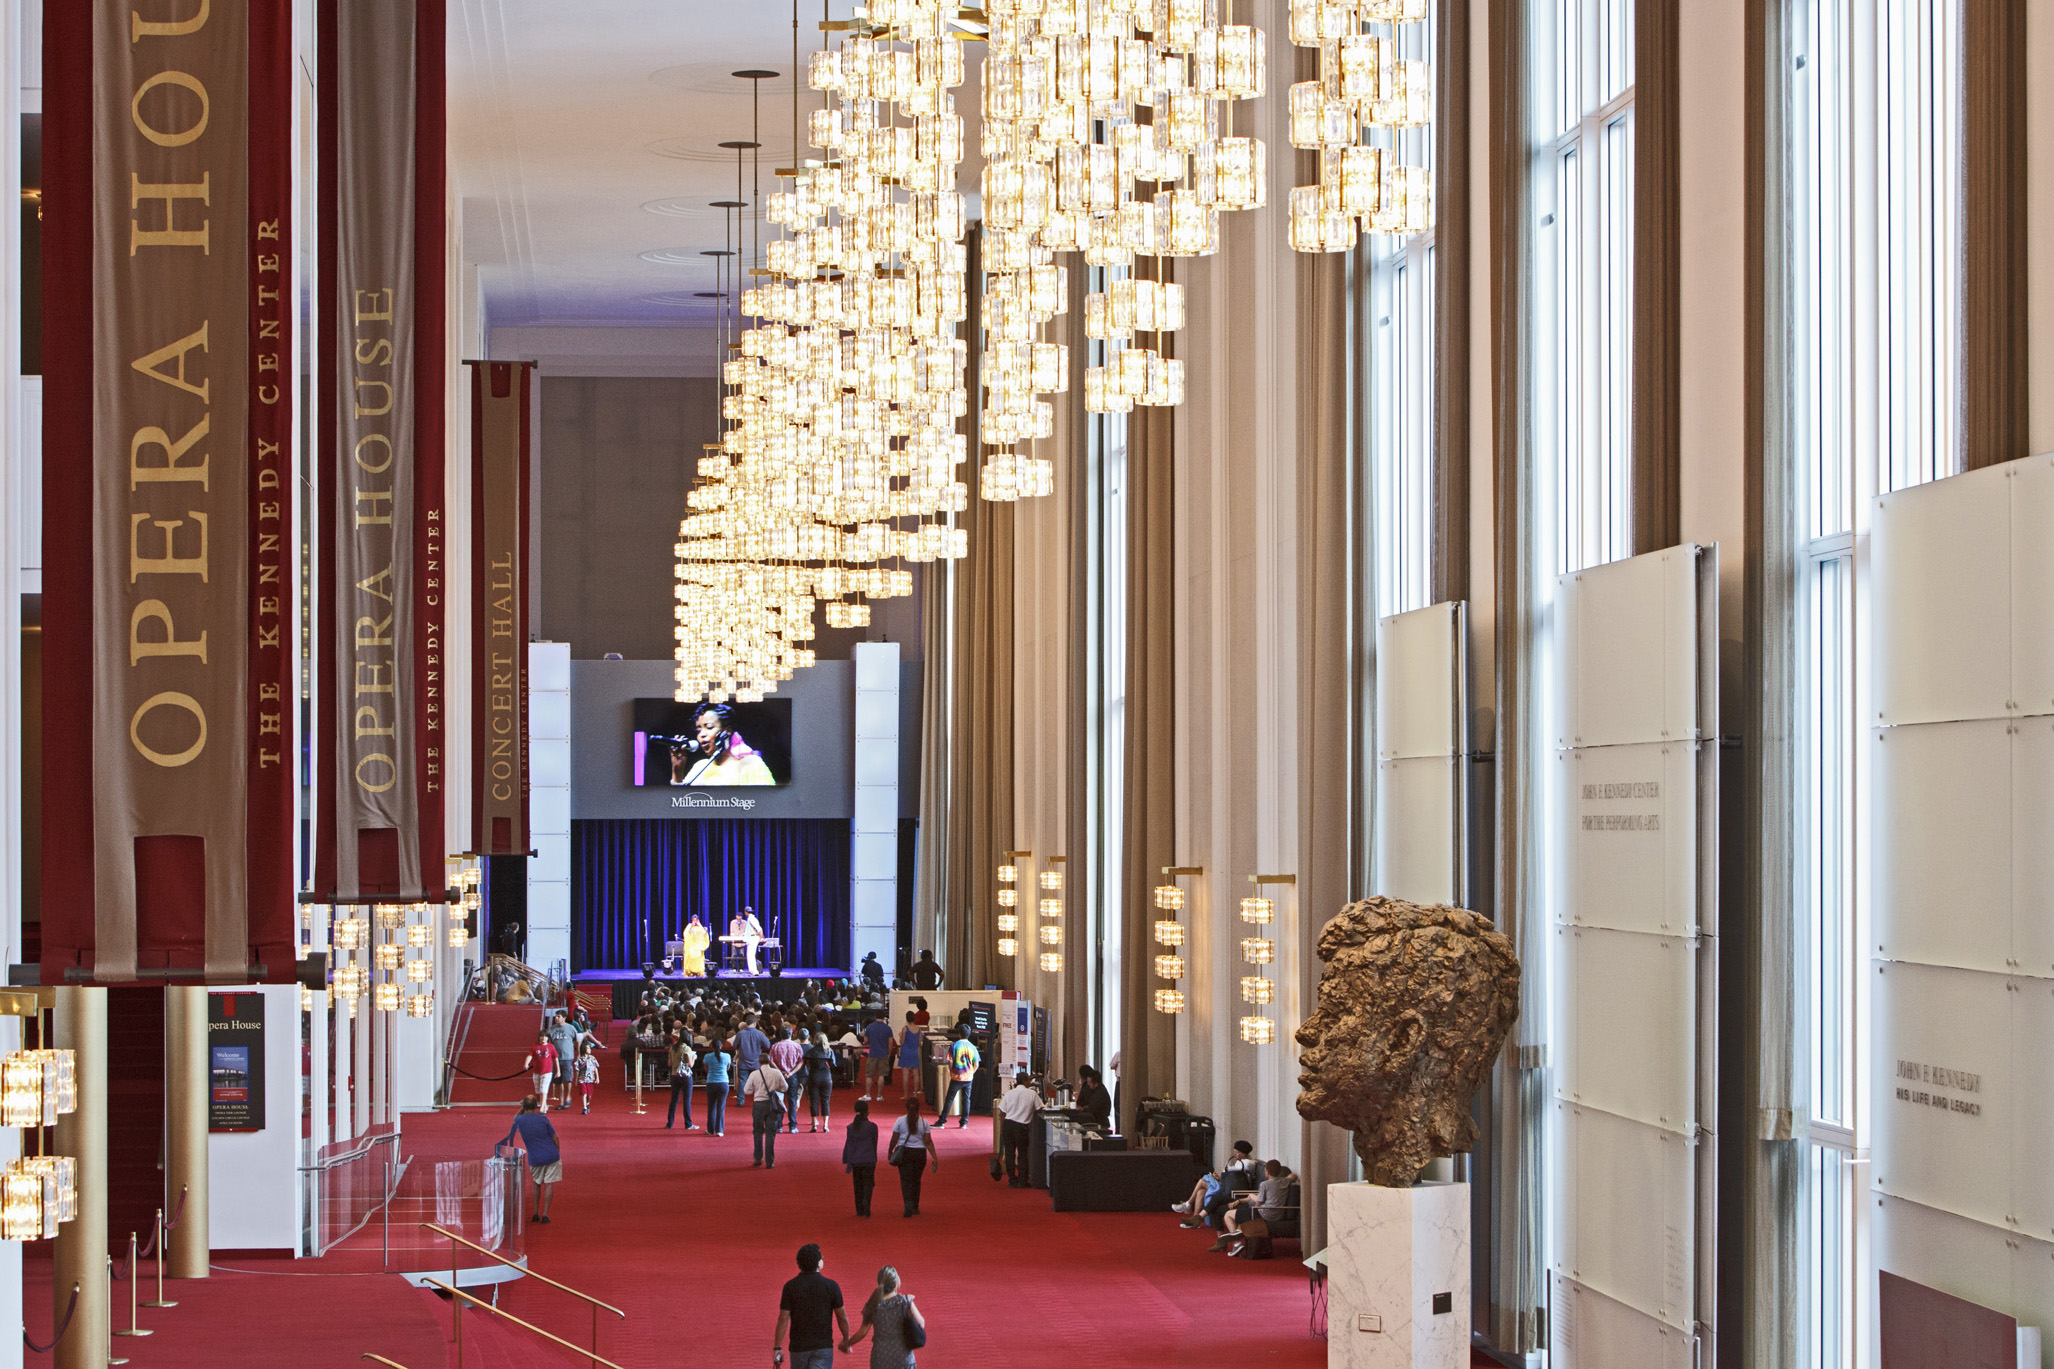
[1873, 182]
[1583, 248]
[1399, 359]
[1106, 702]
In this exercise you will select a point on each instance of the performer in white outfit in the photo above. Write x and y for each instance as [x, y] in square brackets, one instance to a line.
[745, 927]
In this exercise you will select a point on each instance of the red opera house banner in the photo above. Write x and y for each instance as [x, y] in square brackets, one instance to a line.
[500, 444]
[167, 606]
[380, 773]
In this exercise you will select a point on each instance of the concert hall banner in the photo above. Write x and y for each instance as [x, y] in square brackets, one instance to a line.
[379, 774]
[167, 490]
[500, 440]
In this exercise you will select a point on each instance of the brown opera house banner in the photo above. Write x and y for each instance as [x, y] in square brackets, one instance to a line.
[167, 753]
[379, 774]
[500, 392]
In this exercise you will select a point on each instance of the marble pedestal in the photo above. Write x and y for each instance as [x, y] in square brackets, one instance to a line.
[1398, 1276]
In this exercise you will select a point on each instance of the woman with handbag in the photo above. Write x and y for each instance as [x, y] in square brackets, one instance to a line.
[893, 1322]
[912, 1146]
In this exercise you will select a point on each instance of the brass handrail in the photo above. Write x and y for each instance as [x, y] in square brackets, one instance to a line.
[514, 1264]
[458, 1314]
[382, 1360]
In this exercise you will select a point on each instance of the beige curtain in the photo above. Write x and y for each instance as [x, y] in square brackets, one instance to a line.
[1148, 1039]
[980, 740]
[1992, 358]
[1327, 830]
[1514, 1270]
[1657, 505]
[1449, 477]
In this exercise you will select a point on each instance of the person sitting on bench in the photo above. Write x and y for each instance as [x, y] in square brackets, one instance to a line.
[1270, 1204]
[1214, 1193]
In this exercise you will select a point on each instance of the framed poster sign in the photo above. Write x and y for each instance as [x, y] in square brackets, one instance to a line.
[235, 1062]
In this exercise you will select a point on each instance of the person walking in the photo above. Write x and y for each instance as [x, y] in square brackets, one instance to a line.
[541, 1066]
[859, 1155]
[912, 1147]
[588, 1074]
[765, 1090]
[963, 1062]
[1016, 1121]
[909, 1058]
[682, 1058]
[819, 1079]
[545, 1159]
[810, 1307]
[564, 1037]
[889, 1317]
[718, 1063]
[788, 1053]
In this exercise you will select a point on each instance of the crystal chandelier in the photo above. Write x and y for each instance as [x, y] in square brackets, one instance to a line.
[1258, 990]
[1366, 94]
[1072, 165]
[840, 401]
[1008, 920]
[1169, 934]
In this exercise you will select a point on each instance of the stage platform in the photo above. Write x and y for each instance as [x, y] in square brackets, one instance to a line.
[627, 984]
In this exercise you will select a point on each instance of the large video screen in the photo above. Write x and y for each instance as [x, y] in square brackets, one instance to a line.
[712, 746]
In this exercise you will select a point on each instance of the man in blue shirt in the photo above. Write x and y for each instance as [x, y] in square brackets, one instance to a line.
[750, 1045]
[545, 1160]
[877, 1068]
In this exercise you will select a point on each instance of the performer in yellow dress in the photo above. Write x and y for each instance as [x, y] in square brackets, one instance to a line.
[695, 939]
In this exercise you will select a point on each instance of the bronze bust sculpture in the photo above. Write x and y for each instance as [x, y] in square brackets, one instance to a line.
[1414, 1005]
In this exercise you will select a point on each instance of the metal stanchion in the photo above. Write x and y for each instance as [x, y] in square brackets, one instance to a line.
[112, 1358]
[639, 1108]
[134, 1289]
[161, 1301]
[385, 1216]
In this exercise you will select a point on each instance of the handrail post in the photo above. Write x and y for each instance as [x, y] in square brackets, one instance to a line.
[385, 1218]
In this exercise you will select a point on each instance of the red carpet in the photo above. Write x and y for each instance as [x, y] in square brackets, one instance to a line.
[289, 1314]
[681, 1232]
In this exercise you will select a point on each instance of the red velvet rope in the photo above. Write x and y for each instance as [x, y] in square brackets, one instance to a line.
[62, 1327]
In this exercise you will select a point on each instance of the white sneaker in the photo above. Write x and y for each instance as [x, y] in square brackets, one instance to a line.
[1183, 1208]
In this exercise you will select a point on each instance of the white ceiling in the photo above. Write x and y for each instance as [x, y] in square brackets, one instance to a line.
[568, 122]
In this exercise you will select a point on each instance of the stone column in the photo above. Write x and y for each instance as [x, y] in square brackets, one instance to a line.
[80, 1256]
[185, 1106]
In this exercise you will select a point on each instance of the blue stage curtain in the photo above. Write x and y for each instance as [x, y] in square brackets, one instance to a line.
[636, 881]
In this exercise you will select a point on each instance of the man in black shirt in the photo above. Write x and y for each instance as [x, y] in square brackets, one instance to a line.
[926, 973]
[810, 1308]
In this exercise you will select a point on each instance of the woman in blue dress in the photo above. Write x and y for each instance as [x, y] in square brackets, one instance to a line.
[909, 1059]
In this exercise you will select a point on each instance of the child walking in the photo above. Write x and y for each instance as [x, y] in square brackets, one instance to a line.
[588, 1074]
